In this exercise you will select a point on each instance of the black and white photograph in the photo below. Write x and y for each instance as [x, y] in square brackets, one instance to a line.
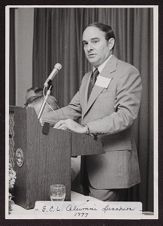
[81, 95]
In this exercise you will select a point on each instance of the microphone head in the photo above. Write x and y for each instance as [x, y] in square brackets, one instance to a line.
[58, 66]
[55, 70]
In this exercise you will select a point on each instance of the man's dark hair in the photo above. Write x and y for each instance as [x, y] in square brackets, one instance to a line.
[109, 33]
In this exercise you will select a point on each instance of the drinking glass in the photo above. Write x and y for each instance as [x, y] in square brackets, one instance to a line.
[57, 192]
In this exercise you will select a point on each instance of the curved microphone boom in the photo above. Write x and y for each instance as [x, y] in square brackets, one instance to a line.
[48, 85]
[55, 70]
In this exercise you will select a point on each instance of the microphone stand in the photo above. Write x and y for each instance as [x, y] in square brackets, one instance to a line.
[44, 102]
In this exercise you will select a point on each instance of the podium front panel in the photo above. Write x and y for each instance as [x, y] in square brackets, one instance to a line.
[46, 159]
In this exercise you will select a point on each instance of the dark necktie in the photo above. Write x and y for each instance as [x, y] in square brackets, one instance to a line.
[92, 81]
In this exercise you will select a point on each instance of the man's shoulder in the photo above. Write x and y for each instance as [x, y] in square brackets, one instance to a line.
[120, 66]
[123, 65]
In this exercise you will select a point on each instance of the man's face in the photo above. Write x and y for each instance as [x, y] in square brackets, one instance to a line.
[97, 48]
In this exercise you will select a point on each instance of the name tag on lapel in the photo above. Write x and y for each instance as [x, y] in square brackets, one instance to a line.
[102, 81]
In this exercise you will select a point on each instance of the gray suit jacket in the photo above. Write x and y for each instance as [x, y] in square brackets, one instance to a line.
[110, 113]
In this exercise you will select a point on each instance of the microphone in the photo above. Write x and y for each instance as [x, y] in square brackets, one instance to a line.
[55, 70]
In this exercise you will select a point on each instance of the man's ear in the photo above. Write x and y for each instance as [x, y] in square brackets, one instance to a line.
[111, 43]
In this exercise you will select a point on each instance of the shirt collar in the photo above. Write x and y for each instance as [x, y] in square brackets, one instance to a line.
[101, 67]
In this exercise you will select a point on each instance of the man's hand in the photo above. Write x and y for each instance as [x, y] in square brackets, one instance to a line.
[70, 125]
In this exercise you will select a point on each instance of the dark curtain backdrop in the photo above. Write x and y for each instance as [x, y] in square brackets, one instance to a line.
[57, 38]
[12, 58]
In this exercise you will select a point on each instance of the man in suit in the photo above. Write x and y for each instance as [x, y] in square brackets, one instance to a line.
[107, 104]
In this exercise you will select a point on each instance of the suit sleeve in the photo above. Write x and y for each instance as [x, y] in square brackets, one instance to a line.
[73, 111]
[127, 103]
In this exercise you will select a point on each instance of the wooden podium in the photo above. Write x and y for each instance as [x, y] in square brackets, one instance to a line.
[41, 160]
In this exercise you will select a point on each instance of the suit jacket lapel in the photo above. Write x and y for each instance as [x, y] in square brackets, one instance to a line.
[85, 102]
[106, 72]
